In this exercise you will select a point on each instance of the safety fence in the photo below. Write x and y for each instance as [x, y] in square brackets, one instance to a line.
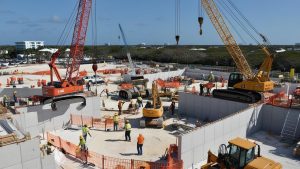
[282, 100]
[105, 162]
[98, 123]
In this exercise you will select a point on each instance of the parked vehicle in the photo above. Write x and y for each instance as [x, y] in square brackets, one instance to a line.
[92, 79]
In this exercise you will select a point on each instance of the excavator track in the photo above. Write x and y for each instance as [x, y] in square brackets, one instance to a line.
[237, 95]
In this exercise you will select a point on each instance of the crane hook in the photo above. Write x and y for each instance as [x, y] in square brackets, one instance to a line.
[177, 37]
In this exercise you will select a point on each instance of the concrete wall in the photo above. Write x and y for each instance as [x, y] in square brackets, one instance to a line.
[273, 119]
[200, 74]
[231, 119]
[207, 108]
[21, 92]
[25, 155]
[193, 146]
[41, 118]
[162, 75]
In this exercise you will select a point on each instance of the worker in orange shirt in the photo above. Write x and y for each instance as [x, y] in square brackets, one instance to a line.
[140, 142]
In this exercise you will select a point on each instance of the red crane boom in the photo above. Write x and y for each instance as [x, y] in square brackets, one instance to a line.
[71, 84]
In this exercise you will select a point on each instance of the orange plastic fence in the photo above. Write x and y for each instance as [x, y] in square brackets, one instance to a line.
[99, 123]
[106, 162]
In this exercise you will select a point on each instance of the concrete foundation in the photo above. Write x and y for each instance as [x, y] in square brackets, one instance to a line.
[242, 121]
[41, 118]
[25, 155]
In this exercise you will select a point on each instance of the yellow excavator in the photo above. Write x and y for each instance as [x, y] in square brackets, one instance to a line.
[239, 154]
[243, 86]
[153, 112]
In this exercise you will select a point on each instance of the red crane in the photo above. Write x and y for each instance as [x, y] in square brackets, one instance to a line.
[71, 84]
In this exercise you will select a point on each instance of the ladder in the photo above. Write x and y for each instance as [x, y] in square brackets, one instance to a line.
[288, 132]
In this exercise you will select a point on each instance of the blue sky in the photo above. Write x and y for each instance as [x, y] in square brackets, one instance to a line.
[149, 21]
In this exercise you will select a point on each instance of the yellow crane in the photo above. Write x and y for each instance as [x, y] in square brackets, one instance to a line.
[245, 85]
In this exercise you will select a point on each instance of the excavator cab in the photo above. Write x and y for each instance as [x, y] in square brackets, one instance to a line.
[234, 78]
[240, 156]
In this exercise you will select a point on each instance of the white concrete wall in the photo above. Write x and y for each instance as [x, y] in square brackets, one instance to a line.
[193, 146]
[207, 108]
[25, 155]
[273, 119]
[41, 118]
[198, 74]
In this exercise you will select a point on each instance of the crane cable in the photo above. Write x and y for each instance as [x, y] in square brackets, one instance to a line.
[238, 20]
[68, 26]
[177, 21]
[94, 31]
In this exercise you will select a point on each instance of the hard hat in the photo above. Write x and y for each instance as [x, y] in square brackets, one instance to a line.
[127, 121]
[211, 72]
[80, 137]
[15, 92]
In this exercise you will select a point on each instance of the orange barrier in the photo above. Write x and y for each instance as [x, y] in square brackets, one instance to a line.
[126, 86]
[172, 84]
[106, 162]
[47, 72]
[99, 123]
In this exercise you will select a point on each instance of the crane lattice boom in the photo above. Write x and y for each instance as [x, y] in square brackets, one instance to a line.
[227, 38]
[78, 40]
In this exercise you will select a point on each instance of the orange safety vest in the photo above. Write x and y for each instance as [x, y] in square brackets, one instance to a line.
[140, 140]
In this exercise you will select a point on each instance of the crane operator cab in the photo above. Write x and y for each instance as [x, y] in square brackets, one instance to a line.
[240, 154]
[234, 78]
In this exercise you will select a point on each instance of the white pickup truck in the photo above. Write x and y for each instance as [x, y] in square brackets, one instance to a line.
[92, 79]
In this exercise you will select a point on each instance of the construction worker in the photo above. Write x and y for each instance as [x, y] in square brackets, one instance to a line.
[140, 101]
[15, 97]
[120, 104]
[82, 143]
[5, 99]
[83, 147]
[116, 122]
[85, 132]
[131, 106]
[140, 142]
[201, 89]
[88, 86]
[211, 77]
[172, 107]
[127, 130]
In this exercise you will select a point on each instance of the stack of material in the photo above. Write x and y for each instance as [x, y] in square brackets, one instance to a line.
[9, 133]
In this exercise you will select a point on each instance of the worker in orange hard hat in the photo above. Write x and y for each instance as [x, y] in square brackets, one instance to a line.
[140, 142]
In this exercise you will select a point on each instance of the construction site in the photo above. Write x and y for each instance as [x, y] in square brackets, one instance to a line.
[113, 115]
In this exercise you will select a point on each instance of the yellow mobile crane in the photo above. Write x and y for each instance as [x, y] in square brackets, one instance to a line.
[245, 85]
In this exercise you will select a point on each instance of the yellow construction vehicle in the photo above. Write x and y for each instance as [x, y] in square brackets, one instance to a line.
[244, 86]
[239, 154]
[153, 112]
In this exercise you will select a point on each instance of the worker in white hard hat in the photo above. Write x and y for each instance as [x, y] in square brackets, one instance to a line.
[127, 130]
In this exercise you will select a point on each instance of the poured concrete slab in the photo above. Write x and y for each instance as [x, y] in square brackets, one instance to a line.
[113, 144]
[272, 148]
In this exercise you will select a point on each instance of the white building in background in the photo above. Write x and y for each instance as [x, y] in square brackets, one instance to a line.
[29, 45]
